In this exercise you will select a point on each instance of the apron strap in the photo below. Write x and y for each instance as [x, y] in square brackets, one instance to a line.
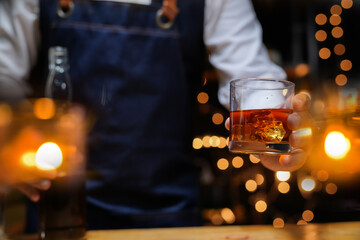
[165, 16]
[169, 11]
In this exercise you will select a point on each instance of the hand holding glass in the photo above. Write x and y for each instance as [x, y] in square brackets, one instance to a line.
[259, 109]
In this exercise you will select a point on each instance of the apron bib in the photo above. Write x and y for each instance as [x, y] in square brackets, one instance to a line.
[136, 77]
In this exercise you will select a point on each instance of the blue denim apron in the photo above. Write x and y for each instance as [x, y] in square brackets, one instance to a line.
[137, 78]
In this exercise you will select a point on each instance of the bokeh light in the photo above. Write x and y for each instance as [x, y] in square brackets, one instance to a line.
[308, 184]
[48, 156]
[283, 175]
[341, 80]
[278, 223]
[324, 53]
[261, 206]
[339, 49]
[203, 97]
[346, 65]
[222, 164]
[308, 215]
[335, 20]
[336, 145]
[337, 32]
[331, 188]
[237, 162]
[251, 185]
[320, 19]
[320, 35]
[283, 187]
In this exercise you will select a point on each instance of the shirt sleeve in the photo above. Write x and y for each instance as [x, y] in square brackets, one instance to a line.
[233, 36]
[19, 41]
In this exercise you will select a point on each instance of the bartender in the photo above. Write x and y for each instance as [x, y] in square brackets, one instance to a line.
[137, 63]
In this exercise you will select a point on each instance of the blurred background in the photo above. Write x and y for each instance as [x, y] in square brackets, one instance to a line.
[317, 43]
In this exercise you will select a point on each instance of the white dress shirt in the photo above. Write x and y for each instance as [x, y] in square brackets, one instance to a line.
[232, 34]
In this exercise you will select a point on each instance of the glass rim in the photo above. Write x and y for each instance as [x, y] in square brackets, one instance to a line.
[235, 83]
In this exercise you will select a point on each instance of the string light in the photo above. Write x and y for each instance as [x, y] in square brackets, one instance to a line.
[308, 215]
[331, 188]
[203, 97]
[237, 162]
[283, 175]
[346, 65]
[259, 179]
[251, 185]
[283, 187]
[217, 118]
[222, 164]
[278, 223]
[322, 175]
[346, 4]
[336, 145]
[197, 143]
[335, 20]
[337, 32]
[260, 206]
[340, 79]
[324, 53]
[227, 215]
[320, 35]
[321, 19]
[339, 49]
[336, 9]
[308, 184]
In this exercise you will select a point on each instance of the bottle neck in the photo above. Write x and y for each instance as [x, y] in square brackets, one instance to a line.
[58, 64]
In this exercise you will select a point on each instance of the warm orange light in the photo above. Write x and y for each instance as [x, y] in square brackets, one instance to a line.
[346, 4]
[322, 175]
[222, 164]
[251, 185]
[336, 145]
[227, 215]
[44, 108]
[254, 159]
[278, 223]
[320, 19]
[301, 70]
[214, 141]
[337, 32]
[331, 188]
[339, 49]
[308, 215]
[203, 97]
[237, 162]
[259, 179]
[340, 80]
[197, 143]
[324, 53]
[346, 65]
[28, 159]
[6, 115]
[335, 20]
[336, 9]
[260, 206]
[48, 156]
[206, 141]
[321, 35]
[217, 118]
[283, 187]
[223, 142]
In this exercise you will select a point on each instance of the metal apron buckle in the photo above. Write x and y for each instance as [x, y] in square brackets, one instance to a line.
[65, 8]
[169, 11]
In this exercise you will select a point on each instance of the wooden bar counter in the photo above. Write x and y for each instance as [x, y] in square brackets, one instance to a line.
[323, 231]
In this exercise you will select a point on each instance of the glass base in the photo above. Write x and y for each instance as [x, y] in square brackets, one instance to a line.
[267, 148]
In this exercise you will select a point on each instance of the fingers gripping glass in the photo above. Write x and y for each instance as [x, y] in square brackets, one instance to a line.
[259, 109]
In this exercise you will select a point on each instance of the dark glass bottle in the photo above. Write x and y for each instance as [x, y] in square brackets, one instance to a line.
[58, 84]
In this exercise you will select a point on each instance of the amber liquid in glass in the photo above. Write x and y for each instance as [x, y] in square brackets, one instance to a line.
[260, 131]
